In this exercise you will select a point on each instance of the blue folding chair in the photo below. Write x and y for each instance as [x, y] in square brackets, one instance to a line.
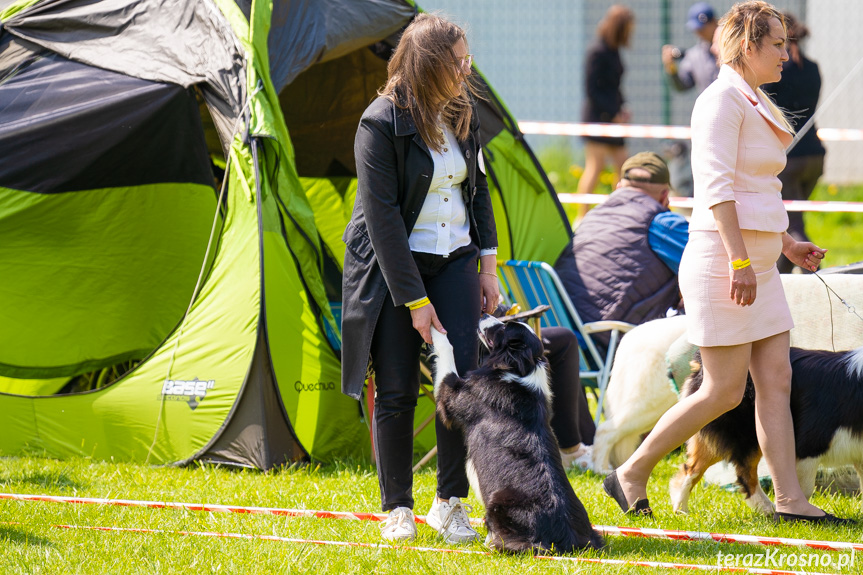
[531, 284]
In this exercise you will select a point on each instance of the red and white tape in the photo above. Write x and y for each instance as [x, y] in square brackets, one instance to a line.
[378, 546]
[650, 533]
[676, 202]
[653, 131]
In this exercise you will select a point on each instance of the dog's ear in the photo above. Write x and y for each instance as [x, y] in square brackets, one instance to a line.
[524, 349]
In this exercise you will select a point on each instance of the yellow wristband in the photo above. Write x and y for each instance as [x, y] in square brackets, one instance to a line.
[739, 264]
[416, 305]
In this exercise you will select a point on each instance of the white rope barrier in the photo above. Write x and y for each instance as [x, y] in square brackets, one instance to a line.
[790, 205]
[653, 131]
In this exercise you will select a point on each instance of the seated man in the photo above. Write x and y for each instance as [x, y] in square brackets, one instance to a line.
[626, 252]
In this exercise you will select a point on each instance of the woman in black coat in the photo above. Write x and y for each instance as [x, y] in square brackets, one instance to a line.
[422, 222]
[603, 102]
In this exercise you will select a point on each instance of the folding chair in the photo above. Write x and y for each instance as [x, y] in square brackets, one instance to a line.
[531, 284]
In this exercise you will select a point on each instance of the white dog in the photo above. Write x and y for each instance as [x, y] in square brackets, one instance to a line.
[639, 391]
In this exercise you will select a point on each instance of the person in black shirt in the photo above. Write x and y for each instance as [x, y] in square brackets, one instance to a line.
[604, 101]
[797, 93]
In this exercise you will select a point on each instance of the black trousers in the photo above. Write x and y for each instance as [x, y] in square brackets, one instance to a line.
[571, 420]
[452, 285]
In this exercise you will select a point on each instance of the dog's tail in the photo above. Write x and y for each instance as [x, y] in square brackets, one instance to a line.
[444, 358]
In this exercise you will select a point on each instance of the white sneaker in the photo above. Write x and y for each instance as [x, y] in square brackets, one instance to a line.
[581, 458]
[450, 519]
[399, 525]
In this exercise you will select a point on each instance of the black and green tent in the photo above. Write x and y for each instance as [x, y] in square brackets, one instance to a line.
[175, 177]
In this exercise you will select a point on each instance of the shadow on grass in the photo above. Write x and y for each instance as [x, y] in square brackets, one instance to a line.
[44, 479]
[21, 537]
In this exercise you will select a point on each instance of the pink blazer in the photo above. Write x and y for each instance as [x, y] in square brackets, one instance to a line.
[738, 150]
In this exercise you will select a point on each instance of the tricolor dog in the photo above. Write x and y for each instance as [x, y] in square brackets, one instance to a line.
[827, 409]
[514, 461]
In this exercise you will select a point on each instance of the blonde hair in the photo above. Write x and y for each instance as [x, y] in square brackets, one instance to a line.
[420, 75]
[745, 26]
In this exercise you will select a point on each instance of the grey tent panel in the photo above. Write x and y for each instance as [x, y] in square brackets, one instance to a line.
[257, 433]
[148, 132]
[190, 44]
[306, 32]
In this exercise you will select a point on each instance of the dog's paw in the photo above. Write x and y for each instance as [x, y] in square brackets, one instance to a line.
[760, 503]
[444, 357]
[679, 489]
[439, 341]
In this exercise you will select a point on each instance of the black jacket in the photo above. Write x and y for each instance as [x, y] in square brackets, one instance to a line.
[394, 171]
[602, 78]
[797, 93]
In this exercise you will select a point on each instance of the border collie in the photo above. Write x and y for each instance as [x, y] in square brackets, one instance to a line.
[504, 408]
[827, 408]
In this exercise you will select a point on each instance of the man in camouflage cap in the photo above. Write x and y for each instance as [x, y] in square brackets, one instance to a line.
[624, 255]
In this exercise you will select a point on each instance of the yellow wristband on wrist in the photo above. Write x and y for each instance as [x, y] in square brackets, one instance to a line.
[739, 264]
[418, 304]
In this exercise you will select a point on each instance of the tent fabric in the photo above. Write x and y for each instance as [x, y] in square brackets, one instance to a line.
[148, 132]
[120, 249]
[157, 40]
[308, 32]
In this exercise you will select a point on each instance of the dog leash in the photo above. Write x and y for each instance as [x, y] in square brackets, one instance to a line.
[850, 308]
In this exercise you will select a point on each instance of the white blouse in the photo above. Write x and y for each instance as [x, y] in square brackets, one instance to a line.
[442, 225]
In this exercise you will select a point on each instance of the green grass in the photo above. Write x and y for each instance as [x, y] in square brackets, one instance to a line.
[30, 543]
[840, 233]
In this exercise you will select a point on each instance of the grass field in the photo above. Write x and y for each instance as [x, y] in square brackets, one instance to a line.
[31, 544]
[840, 233]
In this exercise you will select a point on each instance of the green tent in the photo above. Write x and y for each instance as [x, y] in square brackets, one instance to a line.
[159, 227]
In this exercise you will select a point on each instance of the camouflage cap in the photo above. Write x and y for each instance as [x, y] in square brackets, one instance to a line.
[650, 162]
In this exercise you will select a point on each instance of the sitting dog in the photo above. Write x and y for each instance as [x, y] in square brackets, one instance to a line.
[514, 461]
[826, 405]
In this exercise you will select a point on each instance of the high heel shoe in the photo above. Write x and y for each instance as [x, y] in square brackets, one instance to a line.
[612, 487]
[827, 519]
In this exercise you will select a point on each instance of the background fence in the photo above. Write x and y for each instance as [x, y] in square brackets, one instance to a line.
[533, 54]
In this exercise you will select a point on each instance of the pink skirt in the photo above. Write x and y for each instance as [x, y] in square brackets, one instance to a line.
[713, 319]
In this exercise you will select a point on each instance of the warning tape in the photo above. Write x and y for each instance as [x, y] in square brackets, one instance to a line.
[652, 533]
[676, 202]
[379, 546]
[653, 131]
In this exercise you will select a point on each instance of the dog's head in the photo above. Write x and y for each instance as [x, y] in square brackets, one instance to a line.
[515, 349]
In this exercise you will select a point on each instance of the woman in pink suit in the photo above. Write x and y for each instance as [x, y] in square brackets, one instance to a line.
[736, 309]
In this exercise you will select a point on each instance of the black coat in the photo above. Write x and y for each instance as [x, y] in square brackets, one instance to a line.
[394, 171]
[602, 78]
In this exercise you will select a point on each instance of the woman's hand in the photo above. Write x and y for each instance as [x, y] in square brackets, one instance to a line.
[804, 254]
[489, 288]
[489, 291]
[423, 318]
[743, 286]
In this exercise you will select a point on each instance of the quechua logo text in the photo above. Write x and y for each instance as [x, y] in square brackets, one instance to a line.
[299, 386]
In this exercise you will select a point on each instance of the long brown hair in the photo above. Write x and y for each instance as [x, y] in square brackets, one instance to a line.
[746, 25]
[421, 71]
[616, 26]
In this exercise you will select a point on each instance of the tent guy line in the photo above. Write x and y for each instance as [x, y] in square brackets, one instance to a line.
[650, 533]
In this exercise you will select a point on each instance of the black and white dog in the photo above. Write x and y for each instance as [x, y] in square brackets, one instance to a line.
[513, 456]
[827, 409]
